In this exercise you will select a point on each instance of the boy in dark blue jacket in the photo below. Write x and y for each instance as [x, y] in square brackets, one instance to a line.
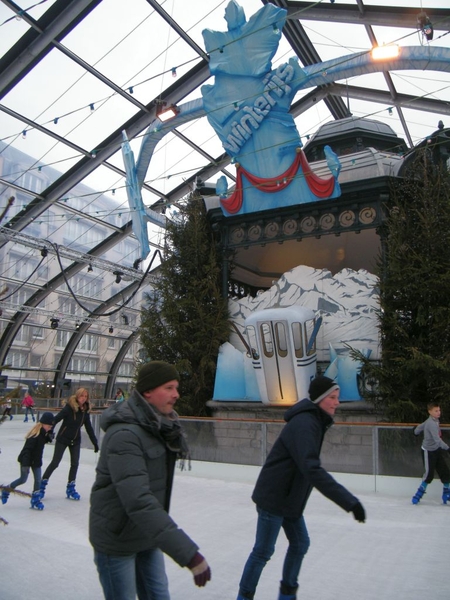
[285, 483]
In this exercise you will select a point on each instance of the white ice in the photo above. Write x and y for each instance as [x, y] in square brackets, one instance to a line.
[400, 553]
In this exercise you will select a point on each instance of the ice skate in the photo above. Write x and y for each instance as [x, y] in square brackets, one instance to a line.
[71, 492]
[418, 495]
[36, 500]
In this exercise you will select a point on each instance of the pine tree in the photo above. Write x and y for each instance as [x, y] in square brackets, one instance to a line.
[414, 316]
[186, 319]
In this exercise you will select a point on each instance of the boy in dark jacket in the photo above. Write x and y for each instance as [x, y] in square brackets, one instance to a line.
[129, 523]
[284, 485]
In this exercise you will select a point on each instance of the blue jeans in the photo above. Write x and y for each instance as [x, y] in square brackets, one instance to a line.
[28, 409]
[267, 530]
[24, 472]
[143, 573]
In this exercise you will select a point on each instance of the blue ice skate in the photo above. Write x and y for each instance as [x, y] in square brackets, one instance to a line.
[71, 492]
[418, 495]
[36, 500]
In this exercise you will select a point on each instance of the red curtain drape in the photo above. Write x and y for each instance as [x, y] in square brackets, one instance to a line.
[322, 188]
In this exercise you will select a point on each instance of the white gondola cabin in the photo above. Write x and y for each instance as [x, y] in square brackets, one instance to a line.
[282, 343]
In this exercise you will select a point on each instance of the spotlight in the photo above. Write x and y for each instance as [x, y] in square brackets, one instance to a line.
[118, 275]
[111, 329]
[54, 323]
[165, 113]
[385, 52]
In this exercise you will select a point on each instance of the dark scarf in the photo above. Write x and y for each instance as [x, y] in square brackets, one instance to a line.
[174, 438]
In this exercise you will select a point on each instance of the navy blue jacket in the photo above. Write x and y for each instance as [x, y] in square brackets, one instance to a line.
[293, 466]
[33, 449]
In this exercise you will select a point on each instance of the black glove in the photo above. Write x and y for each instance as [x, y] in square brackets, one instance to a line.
[200, 569]
[95, 448]
[359, 513]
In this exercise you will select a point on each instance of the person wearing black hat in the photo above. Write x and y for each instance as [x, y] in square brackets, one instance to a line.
[284, 485]
[129, 524]
[31, 458]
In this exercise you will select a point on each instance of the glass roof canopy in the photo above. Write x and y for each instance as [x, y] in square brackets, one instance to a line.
[75, 74]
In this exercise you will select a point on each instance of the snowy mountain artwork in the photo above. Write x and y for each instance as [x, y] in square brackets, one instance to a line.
[347, 302]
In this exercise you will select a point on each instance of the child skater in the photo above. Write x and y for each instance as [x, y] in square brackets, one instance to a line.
[434, 459]
[31, 458]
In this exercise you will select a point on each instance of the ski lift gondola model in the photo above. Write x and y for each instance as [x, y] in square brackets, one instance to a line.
[282, 345]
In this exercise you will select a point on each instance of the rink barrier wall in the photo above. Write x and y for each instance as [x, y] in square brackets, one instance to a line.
[373, 449]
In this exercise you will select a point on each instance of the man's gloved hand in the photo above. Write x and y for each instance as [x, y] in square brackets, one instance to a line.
[95, 448]
[200, 569]
[359, 513]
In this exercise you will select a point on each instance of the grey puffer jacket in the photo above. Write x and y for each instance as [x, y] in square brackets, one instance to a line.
[131, 493]
[293, 466]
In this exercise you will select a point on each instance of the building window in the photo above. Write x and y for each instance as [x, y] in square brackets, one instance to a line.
[83, 365]
[17, 359]
[88, 343]
[62, 338]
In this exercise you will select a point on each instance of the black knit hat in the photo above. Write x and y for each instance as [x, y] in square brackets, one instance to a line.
[47, 418]
[154, 374]
[320, 387]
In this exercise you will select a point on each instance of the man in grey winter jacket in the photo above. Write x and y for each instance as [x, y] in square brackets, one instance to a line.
[129, 523]
[285, 483]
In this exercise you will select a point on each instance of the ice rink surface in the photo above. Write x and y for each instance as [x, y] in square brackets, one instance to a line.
[402, 552]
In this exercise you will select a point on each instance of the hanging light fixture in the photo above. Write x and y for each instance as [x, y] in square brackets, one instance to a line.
[425, 25]
[165, 113]
[54, 322]
[385, 52]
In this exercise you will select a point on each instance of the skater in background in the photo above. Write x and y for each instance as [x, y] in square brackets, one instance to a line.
[7, 409]
[434, 456]
[31, 458]
[129, 523]
[28, 404]
[120, 397]
[74, 415]
[285, 482]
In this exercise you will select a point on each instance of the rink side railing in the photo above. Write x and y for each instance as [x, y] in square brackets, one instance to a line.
[358, 448]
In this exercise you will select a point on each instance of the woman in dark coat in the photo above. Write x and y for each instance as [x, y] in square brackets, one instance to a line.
[74, 415]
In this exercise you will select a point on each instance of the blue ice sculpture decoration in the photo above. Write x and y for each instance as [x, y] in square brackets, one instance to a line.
[270, 102]
[248, 107]
[140, 215]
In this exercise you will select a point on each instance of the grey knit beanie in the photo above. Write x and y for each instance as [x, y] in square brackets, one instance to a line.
[320, 387]
[154, 374]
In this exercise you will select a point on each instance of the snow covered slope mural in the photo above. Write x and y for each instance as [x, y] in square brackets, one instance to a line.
[347, 303]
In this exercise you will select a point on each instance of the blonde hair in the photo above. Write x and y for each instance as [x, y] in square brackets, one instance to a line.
[73, 400]
[34, 431]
